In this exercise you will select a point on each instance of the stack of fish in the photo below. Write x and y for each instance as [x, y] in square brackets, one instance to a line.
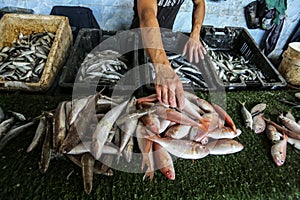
[26, 58]
[186, 71]
[96, 131]
[233, 68]
[288, 129]
[105, 66]
[11, 125]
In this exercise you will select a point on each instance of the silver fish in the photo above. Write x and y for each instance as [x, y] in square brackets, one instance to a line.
[246, 116]
[39, 133]
[2, 115]
[103, 127]
[297, 95]
[12, 133]
[5, 126]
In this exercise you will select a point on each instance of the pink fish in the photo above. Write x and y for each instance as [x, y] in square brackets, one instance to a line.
[278, 151]
[163, 161]
[186, 149]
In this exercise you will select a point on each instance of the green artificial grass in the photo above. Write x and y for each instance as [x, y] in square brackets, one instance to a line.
[249, 174]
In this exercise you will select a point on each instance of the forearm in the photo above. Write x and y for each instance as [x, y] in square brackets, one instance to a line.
[151, 37]
[197, 19]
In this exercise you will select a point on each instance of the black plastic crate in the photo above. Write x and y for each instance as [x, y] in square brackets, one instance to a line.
[90, 40]
[238, 42]
[173, 43]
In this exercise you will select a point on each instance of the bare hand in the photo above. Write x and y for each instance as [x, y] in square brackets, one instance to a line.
[168, 86]
[195, 50]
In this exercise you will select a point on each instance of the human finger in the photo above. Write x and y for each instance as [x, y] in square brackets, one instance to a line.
[164, 95]
[158, 92]
[180, 98]
[172, 97]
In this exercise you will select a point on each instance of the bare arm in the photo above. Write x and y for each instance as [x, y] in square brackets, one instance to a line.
[194, 46]
[167, 84]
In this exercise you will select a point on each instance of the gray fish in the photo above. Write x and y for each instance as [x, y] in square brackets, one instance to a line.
[12, 133]
[5, 126]
[2, 115]
[39, 133]
[87, 162]
[18, 116]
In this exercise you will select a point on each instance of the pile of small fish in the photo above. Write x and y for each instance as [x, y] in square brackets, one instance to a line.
[233, 68]
[96, 131]
[11, 125]
[26, 58]
[104, 66]
[288, 129]
[186, 71]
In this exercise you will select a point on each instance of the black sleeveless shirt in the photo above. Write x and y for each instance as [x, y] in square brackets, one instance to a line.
[166, 13]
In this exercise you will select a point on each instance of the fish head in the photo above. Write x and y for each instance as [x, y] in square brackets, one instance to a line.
[258, 129]
[279, 160]
[168, 172]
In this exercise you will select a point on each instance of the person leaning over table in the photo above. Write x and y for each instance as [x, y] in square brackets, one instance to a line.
[155, 14]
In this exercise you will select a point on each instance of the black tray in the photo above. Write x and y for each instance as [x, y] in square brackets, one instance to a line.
[237, 41]
[88, 40]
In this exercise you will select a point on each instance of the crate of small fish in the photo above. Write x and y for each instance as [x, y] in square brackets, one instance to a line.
[195, 76]
[33, 48]
[100, 60]
[237, 60]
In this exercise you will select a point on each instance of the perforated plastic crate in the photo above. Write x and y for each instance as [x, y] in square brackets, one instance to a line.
[89, 40]
[237, 41]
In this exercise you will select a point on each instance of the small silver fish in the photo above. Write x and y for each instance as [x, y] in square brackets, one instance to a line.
[246, 116]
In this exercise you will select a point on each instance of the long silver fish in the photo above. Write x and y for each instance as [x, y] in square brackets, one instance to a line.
[60, 126]
[39, 134]
[12, 133]
[87, 161]
[2, 115]
[103, 127]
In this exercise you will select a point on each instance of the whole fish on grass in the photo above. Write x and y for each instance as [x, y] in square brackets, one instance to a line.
[246, 116]
[186, 149]
[278, 151]
[290, 124]
[107, 134]
[224, 146]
